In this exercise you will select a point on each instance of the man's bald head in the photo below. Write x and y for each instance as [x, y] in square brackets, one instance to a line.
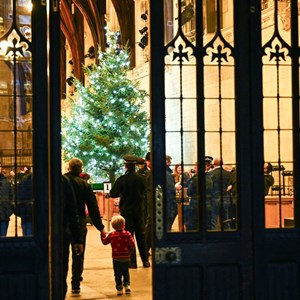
[217, 161]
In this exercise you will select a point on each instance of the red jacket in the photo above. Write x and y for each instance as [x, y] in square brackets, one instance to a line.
[122, 243]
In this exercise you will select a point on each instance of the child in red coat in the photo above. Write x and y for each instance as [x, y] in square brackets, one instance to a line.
[122, 244]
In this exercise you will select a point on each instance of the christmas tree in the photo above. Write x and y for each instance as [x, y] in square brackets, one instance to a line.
[107, 119]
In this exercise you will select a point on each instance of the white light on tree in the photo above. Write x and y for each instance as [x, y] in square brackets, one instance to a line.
[101, 127]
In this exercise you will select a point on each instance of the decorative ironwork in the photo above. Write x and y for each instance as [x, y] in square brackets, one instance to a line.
[277, 54]
[181, 55]
[219, 56]
[279, 49]
[219, 50]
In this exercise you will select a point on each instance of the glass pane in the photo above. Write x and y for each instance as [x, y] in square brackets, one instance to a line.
[187, 21]
[219, 117]
[277, 114]
[6, 16]
[180, 108]
[16, 169]
[194, 201]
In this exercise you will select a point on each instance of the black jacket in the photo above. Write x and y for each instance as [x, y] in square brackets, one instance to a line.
[85, 196]
[268, 182]
[6, 199]
[71, 223]
[131, 188]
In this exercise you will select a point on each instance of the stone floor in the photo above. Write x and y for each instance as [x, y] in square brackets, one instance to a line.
[98, 277]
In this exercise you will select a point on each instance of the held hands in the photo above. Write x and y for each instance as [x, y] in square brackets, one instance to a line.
[103, 234]
[78, 249]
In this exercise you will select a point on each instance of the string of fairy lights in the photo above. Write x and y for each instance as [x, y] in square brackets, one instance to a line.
[107, 119]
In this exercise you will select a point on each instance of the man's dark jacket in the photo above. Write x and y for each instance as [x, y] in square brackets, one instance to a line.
[85, 195]
[131, 188]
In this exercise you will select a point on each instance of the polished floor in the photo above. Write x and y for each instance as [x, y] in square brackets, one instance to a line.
[98, 277]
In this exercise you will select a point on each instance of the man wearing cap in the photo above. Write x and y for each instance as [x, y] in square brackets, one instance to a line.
[141, 165]
[144, 170]
[131, 188]
[208, 163]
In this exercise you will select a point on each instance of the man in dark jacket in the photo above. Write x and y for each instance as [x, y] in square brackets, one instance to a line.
[172, 209]
[25, 203]
[131, 188]
[146, 171]
[71, 226]
[268, 178]
[5, 203]
[221, 200]
[85, 196]
[191, 211]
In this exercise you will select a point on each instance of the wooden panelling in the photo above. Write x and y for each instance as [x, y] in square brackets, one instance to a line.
[274, 207]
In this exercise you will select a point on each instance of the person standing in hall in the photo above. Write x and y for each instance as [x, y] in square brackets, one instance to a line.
[232, 190]
[191, 211]
[146, 172]
[25, 201]
[149, 210]
[6, 204]
[268, 178]
[170, 195]
[122, 244]
[140, 165]
[85, 196]
[180, 177]
[208, 163]
[131, 188]
[221, 200]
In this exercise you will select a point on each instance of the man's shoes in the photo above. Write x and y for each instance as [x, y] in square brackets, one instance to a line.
[133, 266]
[75, 291]
[120, 292]
[127, 289]
[146, 264]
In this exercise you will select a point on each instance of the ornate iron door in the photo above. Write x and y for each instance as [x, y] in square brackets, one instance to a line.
[225, 138]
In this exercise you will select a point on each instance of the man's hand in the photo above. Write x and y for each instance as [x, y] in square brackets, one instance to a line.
[103, 233]
[78, 249]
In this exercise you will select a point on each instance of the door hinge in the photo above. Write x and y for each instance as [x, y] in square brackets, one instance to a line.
[159, 224]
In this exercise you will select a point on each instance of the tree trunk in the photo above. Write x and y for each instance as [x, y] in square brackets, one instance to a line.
[112, 177]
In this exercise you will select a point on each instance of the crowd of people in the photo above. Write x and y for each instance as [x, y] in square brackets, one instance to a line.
[219, 193]
[21, 205]
[134, 222]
